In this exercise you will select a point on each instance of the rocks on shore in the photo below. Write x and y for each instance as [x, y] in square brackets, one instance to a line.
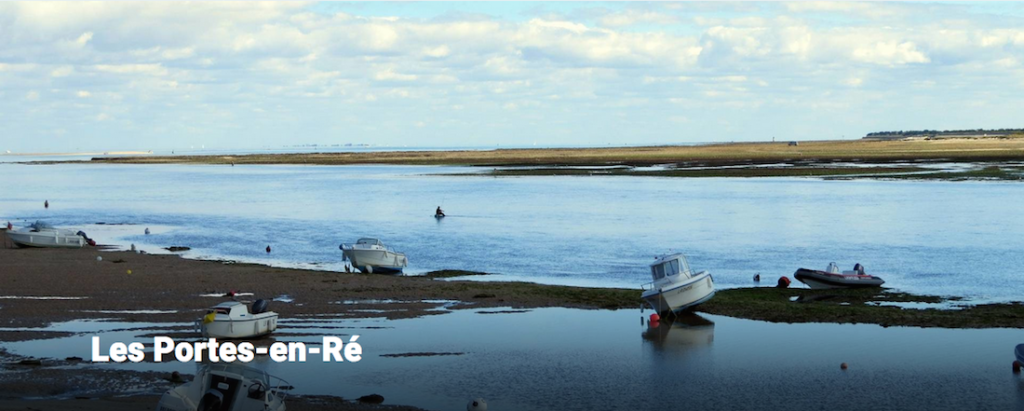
[177, 248]
[372, 399]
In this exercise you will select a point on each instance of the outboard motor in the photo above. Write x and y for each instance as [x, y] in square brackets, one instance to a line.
[858, 268]
[260, 306]
[86, 237]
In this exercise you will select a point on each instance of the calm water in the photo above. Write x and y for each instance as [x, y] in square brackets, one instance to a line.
[952, 238]
[563, 359]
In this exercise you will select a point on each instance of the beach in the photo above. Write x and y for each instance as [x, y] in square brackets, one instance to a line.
[48, 286]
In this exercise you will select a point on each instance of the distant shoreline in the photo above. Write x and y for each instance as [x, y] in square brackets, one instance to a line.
[952, 150]
[994, 159]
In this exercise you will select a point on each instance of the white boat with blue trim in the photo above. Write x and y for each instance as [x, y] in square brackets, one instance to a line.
[675, 288]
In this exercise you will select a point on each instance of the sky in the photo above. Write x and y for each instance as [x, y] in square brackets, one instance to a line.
[88, 76]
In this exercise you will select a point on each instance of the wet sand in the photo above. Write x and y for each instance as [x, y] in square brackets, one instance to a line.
[40, 286]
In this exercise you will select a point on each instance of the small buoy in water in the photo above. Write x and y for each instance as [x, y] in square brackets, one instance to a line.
[783, 282]
[843, 366]
[99, 258]
[655, 317]
[129, 272]
[46, 204]
[757, 277]
[1016, 367]
[477, 405]
[268, 249]
[147, 230]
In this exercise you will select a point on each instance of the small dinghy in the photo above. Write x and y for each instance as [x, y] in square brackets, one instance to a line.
[227, 387]
[675, 288]
[832, 278]
[232, 320]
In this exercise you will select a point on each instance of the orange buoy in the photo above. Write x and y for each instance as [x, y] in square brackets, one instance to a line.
[655, 317]
[783, 282]
[843, 366]
[268, 249]
[1016, 367]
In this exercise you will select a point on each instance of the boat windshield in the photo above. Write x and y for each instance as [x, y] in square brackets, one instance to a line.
[670, 268]
[371, 241]
[40, 225]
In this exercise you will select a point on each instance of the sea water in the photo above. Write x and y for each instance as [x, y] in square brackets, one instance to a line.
[936, 237]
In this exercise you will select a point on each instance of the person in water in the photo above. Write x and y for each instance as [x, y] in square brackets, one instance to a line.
[439, 212]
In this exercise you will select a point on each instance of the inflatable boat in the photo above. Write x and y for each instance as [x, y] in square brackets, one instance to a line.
[832, 278]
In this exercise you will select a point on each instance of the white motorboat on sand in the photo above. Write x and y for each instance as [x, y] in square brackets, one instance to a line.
[370, 255]
[232, 320]
[42, 234]
[675, 288]
[227, 387]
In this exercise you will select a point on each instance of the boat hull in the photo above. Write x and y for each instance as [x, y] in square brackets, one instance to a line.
[376, 261]
[45, 239]
[682, 296]
[1019, 352]
[257, 326]
[823, 280]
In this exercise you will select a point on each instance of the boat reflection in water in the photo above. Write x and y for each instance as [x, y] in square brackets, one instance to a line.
[682, 332]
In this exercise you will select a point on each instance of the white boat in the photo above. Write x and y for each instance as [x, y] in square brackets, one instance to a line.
[227, 387]
[832, 278]
[675, 288]
[232, 320]
[1019, 353]
[42, 234]
[370, 255]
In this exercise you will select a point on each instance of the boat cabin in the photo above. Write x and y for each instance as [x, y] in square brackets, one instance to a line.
[232, 309]
[370, 242]
[670, 266]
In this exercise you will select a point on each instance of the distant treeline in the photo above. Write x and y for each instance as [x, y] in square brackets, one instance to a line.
[940, 133]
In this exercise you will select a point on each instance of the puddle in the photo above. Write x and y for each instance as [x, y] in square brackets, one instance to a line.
[945, 305]
[129, 311]
[284, 299]
[558, 359]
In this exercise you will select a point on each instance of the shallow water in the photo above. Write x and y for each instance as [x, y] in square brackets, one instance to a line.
[951, 238]
[566, 359]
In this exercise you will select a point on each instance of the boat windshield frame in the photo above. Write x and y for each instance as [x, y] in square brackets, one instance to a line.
[251, 373]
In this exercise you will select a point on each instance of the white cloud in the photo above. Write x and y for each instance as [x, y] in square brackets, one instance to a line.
[62, 71]
[32, 96]
[391, 75]
[83, 94]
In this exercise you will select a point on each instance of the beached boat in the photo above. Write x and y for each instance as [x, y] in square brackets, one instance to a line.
[370, 255]
[232, 320]
[227, 387]
[675, 288]
[832, 278]
[42, 234]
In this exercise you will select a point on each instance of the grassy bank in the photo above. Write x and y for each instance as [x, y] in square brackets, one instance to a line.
[857, 306]
[713, 154]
